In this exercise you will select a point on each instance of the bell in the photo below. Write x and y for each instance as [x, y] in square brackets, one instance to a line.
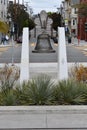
[43, 44]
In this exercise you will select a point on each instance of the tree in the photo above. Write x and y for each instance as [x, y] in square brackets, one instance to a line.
[82, 9]
[4, 28]
[56, 20]
[19, 17]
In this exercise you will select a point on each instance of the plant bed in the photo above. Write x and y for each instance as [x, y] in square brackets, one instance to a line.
[42, 103]
[42, 90]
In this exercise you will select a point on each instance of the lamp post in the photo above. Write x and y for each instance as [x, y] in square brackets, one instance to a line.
[22, 2]
[12, 45]
[60, 10]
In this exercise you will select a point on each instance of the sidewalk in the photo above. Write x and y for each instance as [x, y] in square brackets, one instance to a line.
[9, 43]
[77, 42]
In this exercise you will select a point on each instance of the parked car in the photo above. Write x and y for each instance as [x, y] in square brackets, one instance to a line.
[19, 40]
[55, 39]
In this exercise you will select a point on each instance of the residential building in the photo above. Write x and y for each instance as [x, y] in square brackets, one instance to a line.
[71, 16]
[3, 10]
[66, 15]
[74, 17]
[82, 34]
[3, 13]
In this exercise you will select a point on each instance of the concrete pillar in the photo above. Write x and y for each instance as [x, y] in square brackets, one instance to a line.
[62, 57]
[24, 67]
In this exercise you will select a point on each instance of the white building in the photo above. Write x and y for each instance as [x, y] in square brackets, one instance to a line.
[67, 15]
[3, 10]
[74, 17]
[71, 16]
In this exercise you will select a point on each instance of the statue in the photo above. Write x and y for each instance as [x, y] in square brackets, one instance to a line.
[43, 44]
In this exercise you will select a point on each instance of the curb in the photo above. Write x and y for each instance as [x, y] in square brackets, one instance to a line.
[63, 117]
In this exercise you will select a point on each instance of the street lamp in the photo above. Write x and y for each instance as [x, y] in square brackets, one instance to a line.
[60, 10]
[12, 44]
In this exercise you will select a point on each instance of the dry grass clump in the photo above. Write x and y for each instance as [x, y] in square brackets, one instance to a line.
[9, 74]
[79, 73]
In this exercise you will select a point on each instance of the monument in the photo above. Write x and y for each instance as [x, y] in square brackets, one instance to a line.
[43, 42]
[24, 68]
[62, 57]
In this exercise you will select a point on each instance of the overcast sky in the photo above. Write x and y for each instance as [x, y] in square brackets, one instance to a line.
[38, 5]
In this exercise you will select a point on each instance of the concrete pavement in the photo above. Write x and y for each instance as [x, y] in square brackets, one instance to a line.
[74, 54]
[49, 117]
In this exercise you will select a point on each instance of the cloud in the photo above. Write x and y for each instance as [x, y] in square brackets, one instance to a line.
[38, 5]
[48, 5]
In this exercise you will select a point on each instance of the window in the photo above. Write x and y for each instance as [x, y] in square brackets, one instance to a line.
[4, 2]
[2, 14]
[73, 22]
[75, 10]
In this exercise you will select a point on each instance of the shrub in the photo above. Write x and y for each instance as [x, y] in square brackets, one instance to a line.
[8, 76]
[40, 90]
[70, 92]
[79, 73]
[22, 94]
[8, 99]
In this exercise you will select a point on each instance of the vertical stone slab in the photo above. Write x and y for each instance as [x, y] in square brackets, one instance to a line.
[62, 57]
[24, 67]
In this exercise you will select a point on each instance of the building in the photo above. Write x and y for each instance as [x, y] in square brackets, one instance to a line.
[74, 17]
[70, 16]
[3, 13]
[82, 34]
[66, 15]
[3, 10]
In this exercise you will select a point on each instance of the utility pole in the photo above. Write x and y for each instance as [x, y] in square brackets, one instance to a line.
[22, 2]
[18, 1]
[14, 1]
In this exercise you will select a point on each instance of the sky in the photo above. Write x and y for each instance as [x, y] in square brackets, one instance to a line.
[38, 5]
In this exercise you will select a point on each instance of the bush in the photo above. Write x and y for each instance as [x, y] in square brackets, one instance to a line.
[40, 90]
[22, 94]
[79, 73]
[70, 92]
[8, 77]
[8, 98]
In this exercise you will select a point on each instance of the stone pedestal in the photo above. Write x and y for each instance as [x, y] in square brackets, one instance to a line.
[24, 68]
[62, 56]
